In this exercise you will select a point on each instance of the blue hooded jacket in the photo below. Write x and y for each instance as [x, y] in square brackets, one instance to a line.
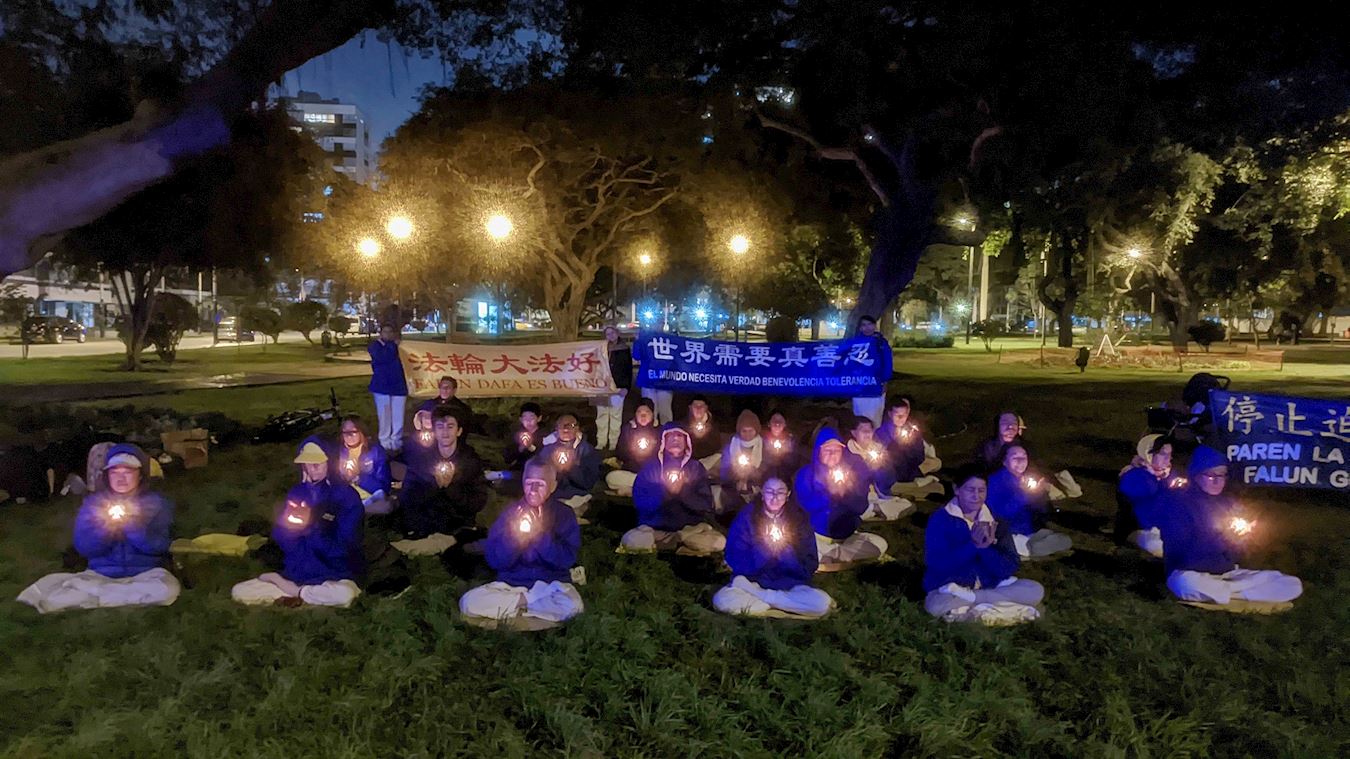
[140, 542]
[372, 468]
[750, 553]
[386, 369]
[329, 545]
[879, 472]
[1194, 523]
[1012, 502]
[835, 513]
[950, 556]
[581, 472]
[546, 554]
[660, 507]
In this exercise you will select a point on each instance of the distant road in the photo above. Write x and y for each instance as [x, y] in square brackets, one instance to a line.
[99, 347]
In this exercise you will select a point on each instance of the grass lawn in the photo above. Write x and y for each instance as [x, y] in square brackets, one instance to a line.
[1113, 669]
[199, 362]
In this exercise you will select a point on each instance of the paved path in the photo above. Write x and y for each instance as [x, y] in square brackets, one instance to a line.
[90, 391]
[95, 346]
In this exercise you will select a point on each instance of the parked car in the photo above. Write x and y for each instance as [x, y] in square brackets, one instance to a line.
[229, 331]
[51, 329]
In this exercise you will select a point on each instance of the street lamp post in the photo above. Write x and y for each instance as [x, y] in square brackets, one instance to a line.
[739, 245]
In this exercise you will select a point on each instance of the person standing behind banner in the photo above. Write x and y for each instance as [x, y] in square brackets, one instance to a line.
[388, 386]
[872, 407]
[661, 400]
[609, 408]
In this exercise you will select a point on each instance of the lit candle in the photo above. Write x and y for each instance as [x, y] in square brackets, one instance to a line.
[427, 437]
[445, 469]
[874, 454]
[776, 533]
[524, 438]
[117, 512]
[1179, 482]
[524, 525]
[643, 443]
[562, 457]
[904, 433]
[743, 460]
[698, 428]
[350, 467]
[837, 475]
[1032, 483]
[293, 519]
[1241, 527]
[293, 516]
[673, 476]
[778, 445]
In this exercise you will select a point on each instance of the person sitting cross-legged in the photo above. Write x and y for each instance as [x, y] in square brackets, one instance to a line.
[910, 454]
[970, 562]
[1018, 497]
[771, 550]
[576, 461]
[364, 464]
[674, 501]
[319, 530]
[874, 459]
[523, 442]
[533, 546]
[707, 441]
[1009, 429]
[443, 491]
[1205, 533]
[122, 528]
[780, 448]
[742, 466]
[638, 441]
[1139, 494]
[832, 488]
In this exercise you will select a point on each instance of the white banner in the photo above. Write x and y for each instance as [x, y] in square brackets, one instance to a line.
[493, 371]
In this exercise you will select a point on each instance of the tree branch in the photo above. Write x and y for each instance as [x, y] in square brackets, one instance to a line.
[831, 154]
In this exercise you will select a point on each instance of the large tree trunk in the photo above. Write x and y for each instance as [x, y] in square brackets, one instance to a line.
[66, 185]
[903, 230]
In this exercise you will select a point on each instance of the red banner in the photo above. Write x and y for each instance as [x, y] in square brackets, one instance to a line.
[493, 371]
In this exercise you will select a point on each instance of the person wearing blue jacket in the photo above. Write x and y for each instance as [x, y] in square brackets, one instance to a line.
[1139, 494]
[970, 562]
[319, 530]
[638, 441]
[123, 529]
[1019, 498]
[443, 489]
[532, 545]
[771, 550]
[871, 406]
[832, 488]
[674, 501]
[388, 386]
[872, 458]
[1009, 430]
[365, 466]
[576, 462]
[904, 442]
[1206, 532]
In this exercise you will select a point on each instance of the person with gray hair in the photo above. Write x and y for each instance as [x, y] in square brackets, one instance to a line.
[532, 545]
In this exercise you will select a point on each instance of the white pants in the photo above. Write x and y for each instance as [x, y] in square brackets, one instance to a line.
[91, 590]
[579, 503]
[552, 601]
[886, 508]
[389, 410]
[608, 421]
[662, 400]
[1013, 600]
[1042, 543]
[860, 546]
[872, 408]
[1068, 486]
[431, 545]
[621, 482]
[1149, 540]
[751, 599]
[1263, 585]
[712, 463]
[269, 587]
[699, 538]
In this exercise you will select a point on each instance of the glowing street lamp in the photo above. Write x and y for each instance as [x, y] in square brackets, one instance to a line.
[368, 247]
[499, 226]
[1135, 253]
[739, 244]
[399, 227]
[645, 259]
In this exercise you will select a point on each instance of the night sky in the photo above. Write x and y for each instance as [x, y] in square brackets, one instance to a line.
[375, 77]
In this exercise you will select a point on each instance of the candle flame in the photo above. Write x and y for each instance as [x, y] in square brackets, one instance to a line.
[117, 511]
[778, 445]
[673, 476]
[1179, 482]
[776, 534]
[525, 438]
[698, 428]
[904, 432]
[562, 457]
[525, 525]
[426, 438]
[874, 454]
[837, 475]
[642, 444]
[1033, 483]
[1240, 526]
[743, 460]
[293, 519]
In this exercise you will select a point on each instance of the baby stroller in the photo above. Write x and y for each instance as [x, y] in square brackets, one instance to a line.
[1188, 422]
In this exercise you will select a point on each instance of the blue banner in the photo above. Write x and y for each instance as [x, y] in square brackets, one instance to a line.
[859, 367]
[1279, 441]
